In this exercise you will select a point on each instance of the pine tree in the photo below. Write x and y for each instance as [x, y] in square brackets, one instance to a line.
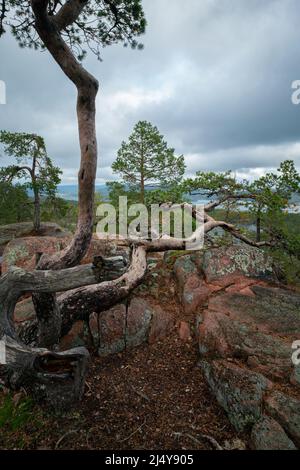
[147, 159]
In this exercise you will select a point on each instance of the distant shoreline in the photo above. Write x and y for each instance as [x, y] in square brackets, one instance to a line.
[70, 193]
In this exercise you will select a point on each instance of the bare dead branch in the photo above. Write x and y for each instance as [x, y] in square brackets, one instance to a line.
[59, 377]
[80, 303]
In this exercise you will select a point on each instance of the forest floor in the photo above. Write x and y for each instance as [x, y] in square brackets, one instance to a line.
[153, 397]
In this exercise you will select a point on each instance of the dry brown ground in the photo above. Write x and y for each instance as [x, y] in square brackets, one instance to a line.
[153, 397]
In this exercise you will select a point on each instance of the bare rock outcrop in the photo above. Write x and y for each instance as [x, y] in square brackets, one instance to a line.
[245, 324]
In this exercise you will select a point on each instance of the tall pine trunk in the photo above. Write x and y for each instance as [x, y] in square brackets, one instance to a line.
[37, 211]
[258, 225]
[87, 86]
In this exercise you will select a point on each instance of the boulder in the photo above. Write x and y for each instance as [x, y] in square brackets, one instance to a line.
[286, 411]
[123, 327]
[112, 328]
[270, 309]
[258, 328]
[108, 332]
[192, 289]
[267, 434]
[23, 252]
[139, 316]
[224, 266]
[220, 336]
[195, 294]
[235, 268]
[245, 339]
[184, 267]
[238, 390]
[24, 229]
[161, 324]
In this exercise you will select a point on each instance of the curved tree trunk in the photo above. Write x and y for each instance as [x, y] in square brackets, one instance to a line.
[87, 86]
[47, 311]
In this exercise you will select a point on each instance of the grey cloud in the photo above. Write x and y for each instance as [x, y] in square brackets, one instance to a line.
[215, 77]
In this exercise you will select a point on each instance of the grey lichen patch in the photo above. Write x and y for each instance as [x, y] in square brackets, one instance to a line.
[186, 264]
[139, 333]
[240, 392]
[107, 350]
[58, 246]
[15, 254]
[188, 297]
[245, 260]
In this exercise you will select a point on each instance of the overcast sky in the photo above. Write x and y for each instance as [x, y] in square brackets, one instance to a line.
[215, 77]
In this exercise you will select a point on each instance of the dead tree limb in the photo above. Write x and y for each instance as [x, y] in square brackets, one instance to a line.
[56, 376]
[80, 303]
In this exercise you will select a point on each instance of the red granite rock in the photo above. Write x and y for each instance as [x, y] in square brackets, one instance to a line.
[139, 315]
[162, 323]
[192, 289]
[22, 252]
[74, 338]
[184, 331]
[267, 434]
[225, 265]
[112, 324]
[238, 390]
[286, 411]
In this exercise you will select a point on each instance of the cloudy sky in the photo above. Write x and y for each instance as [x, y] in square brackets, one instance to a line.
[215, 77]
